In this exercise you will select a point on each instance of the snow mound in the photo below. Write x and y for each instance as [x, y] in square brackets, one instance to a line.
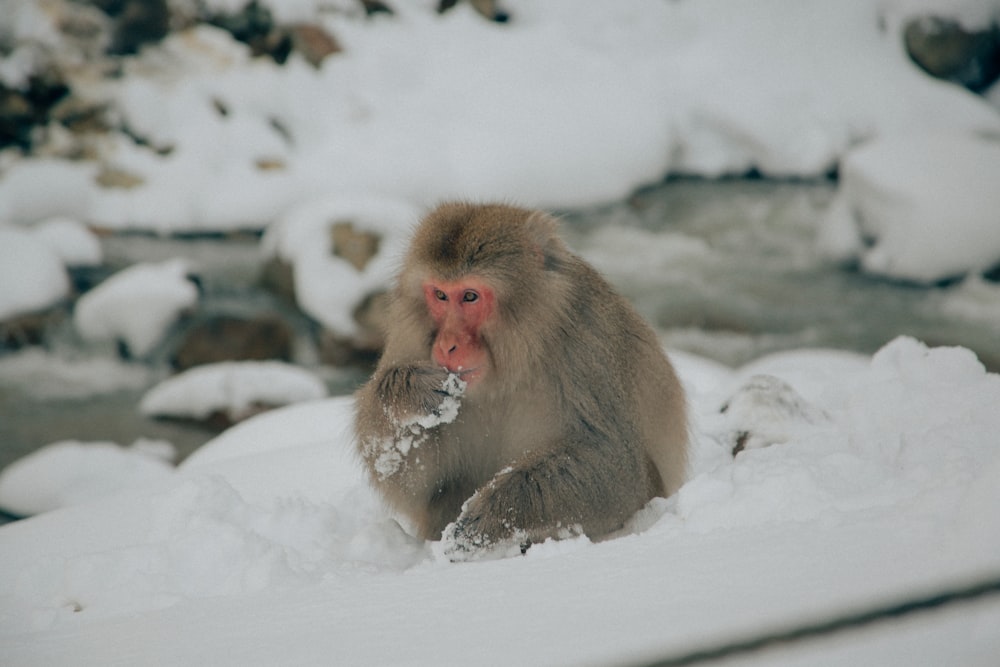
[235, 388]
[70, 240]
[329, 287]
[31, 275]
[136, 305]
[918, 208]
[71, 472]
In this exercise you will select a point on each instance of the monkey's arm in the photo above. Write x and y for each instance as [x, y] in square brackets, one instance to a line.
[587, 488]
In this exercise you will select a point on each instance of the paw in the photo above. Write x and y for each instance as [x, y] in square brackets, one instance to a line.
[479, 534]
[463, 542]
[421, 395]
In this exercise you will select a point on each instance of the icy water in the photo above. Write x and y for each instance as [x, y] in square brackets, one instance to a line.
[727, 269]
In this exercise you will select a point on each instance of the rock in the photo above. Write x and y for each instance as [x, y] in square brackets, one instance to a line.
[313, 42]
[363, 348]
[373, 7]
[355, 246]
[22, 109]
[112, 177]
[231, 338]
[943, 48]
[372, 316]
[278, 276]
[29, 328]
[139, 22]
[486, 8]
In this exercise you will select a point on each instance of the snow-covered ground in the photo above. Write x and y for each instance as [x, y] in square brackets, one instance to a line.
[267, 546]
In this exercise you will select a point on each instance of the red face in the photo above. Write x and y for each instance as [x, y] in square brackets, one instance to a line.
[460, 309]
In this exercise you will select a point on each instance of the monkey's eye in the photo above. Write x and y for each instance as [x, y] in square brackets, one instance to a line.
[470, 296]
[440, 296]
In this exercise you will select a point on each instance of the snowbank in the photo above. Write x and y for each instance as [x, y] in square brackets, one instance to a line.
[234, 388]
[329, 287]
[32, 275]
[918, 208]
[136, 305]
[268, 546]
[70, 240]
[71, 473]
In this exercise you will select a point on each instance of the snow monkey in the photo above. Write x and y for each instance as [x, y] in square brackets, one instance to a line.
[519, 397]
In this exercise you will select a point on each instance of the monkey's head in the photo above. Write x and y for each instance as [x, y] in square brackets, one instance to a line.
[476, 271]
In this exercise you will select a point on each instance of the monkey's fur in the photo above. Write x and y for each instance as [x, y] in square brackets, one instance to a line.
[577, 421]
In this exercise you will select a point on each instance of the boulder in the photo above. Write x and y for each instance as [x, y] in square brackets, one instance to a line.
[944, 48]
[231, 338]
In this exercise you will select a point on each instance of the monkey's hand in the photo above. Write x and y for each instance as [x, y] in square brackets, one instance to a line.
[420, 395]
[482, 530]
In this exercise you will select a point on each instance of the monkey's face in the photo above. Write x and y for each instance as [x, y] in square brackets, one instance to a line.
[460, 308]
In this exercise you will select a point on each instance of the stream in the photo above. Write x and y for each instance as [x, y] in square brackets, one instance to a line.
[726, 269]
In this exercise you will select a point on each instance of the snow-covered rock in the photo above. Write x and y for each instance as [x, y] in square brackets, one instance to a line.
[70, 240]
[328, 287]
[234, 388]
[918, 208]
[71, 473]
[32, 275]
[136, 305]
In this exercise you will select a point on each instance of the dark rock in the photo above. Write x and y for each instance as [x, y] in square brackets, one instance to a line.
[364, 348]
[488, 9]
[944, 49]
[29, 328]
[373, 7]
[313, 42]
[139, 22]
[278, 276]
[230, 338]
[372, 316]
[22, 110]
[337, 350]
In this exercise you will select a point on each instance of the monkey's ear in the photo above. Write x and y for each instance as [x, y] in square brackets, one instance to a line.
[543, 234]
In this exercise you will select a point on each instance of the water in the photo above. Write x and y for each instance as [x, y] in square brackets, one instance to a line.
[727, 269]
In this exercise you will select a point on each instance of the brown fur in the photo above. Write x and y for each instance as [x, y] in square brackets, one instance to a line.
[578, 422]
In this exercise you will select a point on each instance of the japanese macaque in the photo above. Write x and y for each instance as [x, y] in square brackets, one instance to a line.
[519, 397]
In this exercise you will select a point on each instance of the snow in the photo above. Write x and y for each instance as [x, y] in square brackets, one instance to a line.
[572, 103]
[136, 305]
[234, 388]
[32, 275]
[70, 240]
[860, 480]
[929, 205]
[70, 473]
[328, 287]
[269, 546]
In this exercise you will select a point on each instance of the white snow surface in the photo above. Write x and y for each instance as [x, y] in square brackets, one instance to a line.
[930, 204]
[32, 276]
[267, 546]
[136, 305]
[235, 388]
[70, 473]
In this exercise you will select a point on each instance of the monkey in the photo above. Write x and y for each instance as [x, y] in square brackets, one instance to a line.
[518, 397]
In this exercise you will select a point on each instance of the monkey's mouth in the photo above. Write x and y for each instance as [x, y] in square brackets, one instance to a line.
[471, 376]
